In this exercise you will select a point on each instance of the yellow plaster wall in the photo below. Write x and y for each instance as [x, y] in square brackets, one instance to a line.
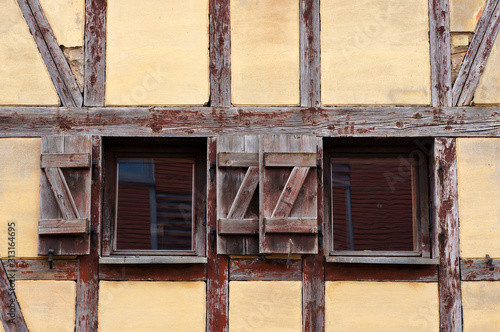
[375, 52]
[265, 306]
[157, 52]
[25, 80]
[464, 14]
[488, 89]
[47, 305]
[381, 306]
[19, 193]
[478, 172]
[481, 305]
[152, 306]
[265, 67]
[67, 19]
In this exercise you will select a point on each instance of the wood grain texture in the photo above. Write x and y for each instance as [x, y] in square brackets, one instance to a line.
[220, 54]
[371, 272]
[206, 121]
[447, 233]
[63, 226]
[95, 52]
[245, 194]
[310, 93]
[38, 269]
[156, 272]
[269, 269]
[480, 270]
[57, 66]
[439, 37]
[477, 54]
[65, 160]
[238, 226]
[218, 265]
[87, 286]
[10, 312]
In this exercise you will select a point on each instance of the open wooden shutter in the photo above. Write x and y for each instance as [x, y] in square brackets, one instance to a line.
[65, 182]
[288, 190]
[237, 195]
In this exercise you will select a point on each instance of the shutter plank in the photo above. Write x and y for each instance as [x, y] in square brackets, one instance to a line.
[289, 159]
[245, 194]
[239, 226]
[290, 192]
[234, 159]
[61, 193]
[291, 225]
[65, 160]
[63, 226]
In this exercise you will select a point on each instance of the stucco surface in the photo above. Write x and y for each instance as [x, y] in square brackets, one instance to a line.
[488, 89]
[464, 14]
[67, 20]
[481, 305]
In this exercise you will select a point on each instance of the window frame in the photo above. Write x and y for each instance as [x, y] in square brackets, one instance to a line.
[378, 150]
[115, 148]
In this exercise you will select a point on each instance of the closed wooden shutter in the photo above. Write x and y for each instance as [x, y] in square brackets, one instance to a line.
[288, 179]
[65, 183]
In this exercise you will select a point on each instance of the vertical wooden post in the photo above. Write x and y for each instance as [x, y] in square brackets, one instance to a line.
[87, 288]
[218, 265]
[439, 34]
[313, 268]
[220, 54]
[95, 52]
[310, 94]
[11, 316]
[447, 233]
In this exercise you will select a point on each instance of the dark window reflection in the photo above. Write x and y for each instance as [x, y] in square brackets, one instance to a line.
[373, 207]
[155, 203]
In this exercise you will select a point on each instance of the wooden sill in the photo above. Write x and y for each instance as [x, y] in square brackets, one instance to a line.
[152, 260]
[383, 260]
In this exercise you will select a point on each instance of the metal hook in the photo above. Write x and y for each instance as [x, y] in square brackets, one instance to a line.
[290, 248]
[51, 259]
[490, 263]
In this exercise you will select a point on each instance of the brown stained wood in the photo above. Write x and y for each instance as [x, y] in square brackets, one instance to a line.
[269, 269]
[62, 193]
[480, 270]
[153, 272]
[65, 160]
[69, 182]
[238, 226]
[39, 269]
[10, 313]
[439, 37]
[57, 66]
[447, 233]
[220, 53]
[87, 286]
[245, 194]
[207, 121]
[238, 159]
[289, 159]
[310, 93]
[291, 225]
[374, 272]
[95, 52]
[477, 54]
[63, 226]
[290, 192]
[218, 265]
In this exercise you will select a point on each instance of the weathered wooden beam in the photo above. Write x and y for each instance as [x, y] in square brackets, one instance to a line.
[439, 37]
[10, 312]
[65, 160]
[374, 272]
[207, 121]
[269, 269]
[87, 286]
[220, 54]
[38, 269]
[447, 233]
[95, 52]
[477, 54]
[57, 66]
[171, 272]
[218, 265]
[480, 270]
[310, 92]
[63, 226]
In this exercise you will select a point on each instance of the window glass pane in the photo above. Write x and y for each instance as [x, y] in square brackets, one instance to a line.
[373, 205]
[155, 203]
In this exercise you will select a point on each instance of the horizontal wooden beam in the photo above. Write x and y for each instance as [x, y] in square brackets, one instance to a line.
[39, 269]
[209, 121]
[289, 159]
[480, 270]
[291, 225]
[65, 160]
[370, 272]
[153, 260]
[238, 159]
[63, 226]
[186, 272]
[269, 269]
[238, 226]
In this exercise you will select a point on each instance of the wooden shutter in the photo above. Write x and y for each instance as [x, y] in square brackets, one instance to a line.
[237, 196]
[288, 190]
[65, 182]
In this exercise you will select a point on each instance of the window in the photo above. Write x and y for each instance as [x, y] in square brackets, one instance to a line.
[155, 190]
[377, 199]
